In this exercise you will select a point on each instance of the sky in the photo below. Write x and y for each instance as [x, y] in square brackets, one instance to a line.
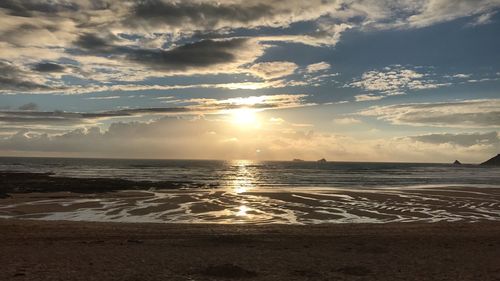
[368, 80]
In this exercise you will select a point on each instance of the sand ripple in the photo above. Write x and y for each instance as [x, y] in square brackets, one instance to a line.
[300, 206]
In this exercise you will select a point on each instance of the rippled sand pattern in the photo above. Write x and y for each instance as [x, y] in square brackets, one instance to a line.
[300, 206]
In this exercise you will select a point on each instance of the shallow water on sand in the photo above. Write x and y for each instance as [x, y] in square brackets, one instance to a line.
[302, 206]
[264, 192]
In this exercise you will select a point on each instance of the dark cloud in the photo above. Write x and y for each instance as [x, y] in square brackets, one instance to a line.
[199, 54]
[24, 116]
[200, 15]
[14, 79]
[27, 8]
[48, 67]
[467, 139]
[28, 106]
[93, 42]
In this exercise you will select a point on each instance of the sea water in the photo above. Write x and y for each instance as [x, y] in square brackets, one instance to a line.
[261, 192]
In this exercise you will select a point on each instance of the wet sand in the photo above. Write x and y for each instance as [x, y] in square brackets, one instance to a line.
[22, 182]
[294, 206]
[41, 250]
[252, 235]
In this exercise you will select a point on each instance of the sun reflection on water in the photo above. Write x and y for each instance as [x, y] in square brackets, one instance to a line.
[244, 179]
[242, 211]
[241, 181]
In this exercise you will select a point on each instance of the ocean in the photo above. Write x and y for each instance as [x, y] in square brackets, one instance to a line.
[261, 192]
[262, 174]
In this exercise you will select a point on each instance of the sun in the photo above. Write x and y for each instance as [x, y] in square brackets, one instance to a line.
[244, 116]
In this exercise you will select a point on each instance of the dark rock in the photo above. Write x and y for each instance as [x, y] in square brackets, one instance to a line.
[4, 195]
[495, 161]
[322, 160]
[19, 182]
[457, 162]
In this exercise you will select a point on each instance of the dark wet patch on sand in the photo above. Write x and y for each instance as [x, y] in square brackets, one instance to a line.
[228, 271]
[355, 270]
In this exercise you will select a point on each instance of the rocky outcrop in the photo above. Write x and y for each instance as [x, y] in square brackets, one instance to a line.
[322, 160]
[495, 161]
[457, 162]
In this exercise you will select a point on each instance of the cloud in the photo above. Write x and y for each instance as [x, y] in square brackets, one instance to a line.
[254, 102]
[462, 75]
[273, 70]
[369, 97]
[173, 137]
[270, 84]
[198, 14]
[13, 78]
[202, 54]
[480, 113]
[93, 42]
[346, 121]
[437, 11]
[28, 116]
[111, 40]
[104, 98]
[315, 67]
[395, 80]
[72, 119]
[415, 14]
[48, 67]
[197, 57]
[323, 36]
[464, 139]
[158, 37]
[28, 8]
[483, 19]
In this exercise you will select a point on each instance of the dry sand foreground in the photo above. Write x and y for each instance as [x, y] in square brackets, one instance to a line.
[41, 250]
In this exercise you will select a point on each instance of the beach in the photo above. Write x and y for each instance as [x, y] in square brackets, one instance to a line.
[39, 196]
[41, 250]
[57, 227]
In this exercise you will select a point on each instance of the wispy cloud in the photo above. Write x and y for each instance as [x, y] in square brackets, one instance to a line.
[29, 116]
[369, 97]
[463, 114]
[273, 70]
[346, 121]
[463, 139]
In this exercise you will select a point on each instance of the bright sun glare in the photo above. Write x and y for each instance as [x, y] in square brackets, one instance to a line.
[244, 116]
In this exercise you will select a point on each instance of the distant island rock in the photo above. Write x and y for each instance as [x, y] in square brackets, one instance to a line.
[495, 161]
[322, 160]
[457, 162]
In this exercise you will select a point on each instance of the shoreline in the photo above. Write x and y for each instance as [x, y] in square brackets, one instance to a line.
[36, 250]
[25, 182]
[41, 196]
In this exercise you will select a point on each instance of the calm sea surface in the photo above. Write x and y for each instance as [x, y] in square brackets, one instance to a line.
[266, 174]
